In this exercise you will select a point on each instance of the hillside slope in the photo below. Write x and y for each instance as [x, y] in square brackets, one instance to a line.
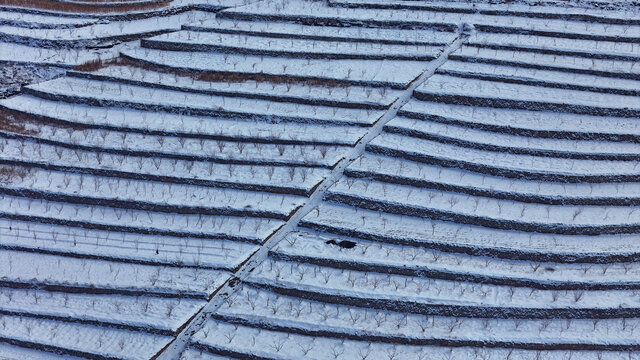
[330, 180]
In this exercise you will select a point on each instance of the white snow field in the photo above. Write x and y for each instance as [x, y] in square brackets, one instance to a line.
[339, 179]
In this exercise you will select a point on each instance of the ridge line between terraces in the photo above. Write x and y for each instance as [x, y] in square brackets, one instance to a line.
[174, 350]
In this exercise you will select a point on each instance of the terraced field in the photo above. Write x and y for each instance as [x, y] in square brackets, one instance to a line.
[372, 179]
[41, 39]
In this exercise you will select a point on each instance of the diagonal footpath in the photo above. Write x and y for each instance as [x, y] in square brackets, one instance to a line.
[178, 345]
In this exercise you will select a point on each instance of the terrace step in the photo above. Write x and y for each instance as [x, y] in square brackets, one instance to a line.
[293, 48]
[328, 33]
[69, 340]
[109, 94]
[98, 36]
[14, 351]
[65, 274]
[548, 10]
[236, 228]
[125, 248]
[318, 14]
[455, 90]
[348, 97]
[11, 18]
[514, 144]
[402, 328]
[484, 211]
[424, 296]
[541, 19]
[119, 312]
[544, 78]
[503, 164]
[444, 236]
[615, 69]
[325, 250]
[64, 58]
[170, 147]
[396, 74]
[142, 195]
[30, 111]
[255, 177]
[526, 123]
[611, 49]
[399, 171]
[285, 342]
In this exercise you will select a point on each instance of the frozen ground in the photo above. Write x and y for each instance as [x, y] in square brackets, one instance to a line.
[339, 180]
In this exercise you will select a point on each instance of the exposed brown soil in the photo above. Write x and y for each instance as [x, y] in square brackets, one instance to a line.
[276, 79]
[214, 76]
[98, 7]
[97, 1]
[95, 65]
[15, 122]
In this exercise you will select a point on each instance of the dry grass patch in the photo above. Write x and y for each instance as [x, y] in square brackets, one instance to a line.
[15, 122]
[95, 65]
[212, 76]
[98, 7]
